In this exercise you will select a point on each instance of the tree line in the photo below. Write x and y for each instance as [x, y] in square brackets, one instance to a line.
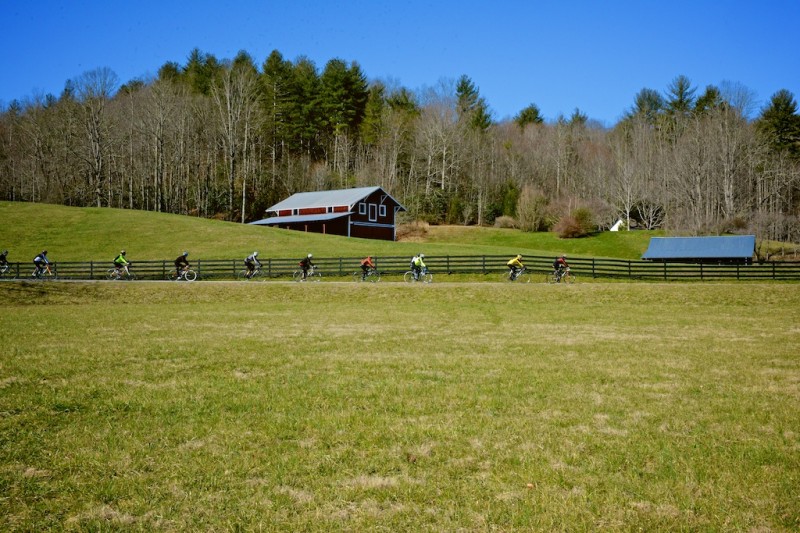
[229, 138]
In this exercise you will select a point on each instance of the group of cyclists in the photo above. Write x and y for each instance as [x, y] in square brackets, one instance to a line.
[516, 267]
[417, 264]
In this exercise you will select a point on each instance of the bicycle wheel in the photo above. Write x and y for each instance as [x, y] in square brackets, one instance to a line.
[131, 276]
[171, 276]
[111, 274]
[408, 277]
[523, 278]
[374, 276]
[426, 277]
[297, 275]
[314, 276]
[190, 275]
[569, 277]
[357, 276]
[242, 274]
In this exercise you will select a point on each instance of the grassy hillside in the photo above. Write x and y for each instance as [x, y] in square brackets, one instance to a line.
[78, 234]
[346, 407]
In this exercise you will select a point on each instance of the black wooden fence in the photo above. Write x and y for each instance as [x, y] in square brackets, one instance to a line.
[439, 265]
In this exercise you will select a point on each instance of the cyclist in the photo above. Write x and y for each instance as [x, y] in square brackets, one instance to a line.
[181, 264]
[41, 263]
[515, 266]
[251, 263]
[560, 266]
[418, 265]
[121, 265]
[4, 259]
[305, 264]
[366, 266]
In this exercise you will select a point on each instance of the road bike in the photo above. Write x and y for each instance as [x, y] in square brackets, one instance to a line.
[185, 275]
[313, 275]
[372, 275]
[246, 274]
[115, 274]
[423, 277]
[43, 273]
[561, 275]
[520, 276]
[6, 271]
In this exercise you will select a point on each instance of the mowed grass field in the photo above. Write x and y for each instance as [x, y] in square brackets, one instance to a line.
[386, 407]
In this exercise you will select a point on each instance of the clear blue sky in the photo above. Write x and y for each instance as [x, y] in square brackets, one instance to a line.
[593, 55]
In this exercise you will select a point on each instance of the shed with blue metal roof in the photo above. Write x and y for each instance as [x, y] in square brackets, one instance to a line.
[725, 249]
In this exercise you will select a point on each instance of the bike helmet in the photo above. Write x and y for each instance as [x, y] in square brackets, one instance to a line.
[255, 254]
[44, 252]
[185, 254]
[5, 252]
[421, 256]
[122, 252]
[310, 256]
[519, 257]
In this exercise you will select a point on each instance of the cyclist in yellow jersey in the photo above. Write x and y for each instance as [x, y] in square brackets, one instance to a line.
[515, 266]
[418, 265]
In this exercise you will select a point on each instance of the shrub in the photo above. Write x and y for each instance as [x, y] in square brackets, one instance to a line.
[532, 210]
[505, 222]
[568, 228]
[412, 231]
[577, 224]
[585, 219]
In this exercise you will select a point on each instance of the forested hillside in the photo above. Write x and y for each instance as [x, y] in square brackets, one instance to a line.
[228, 138]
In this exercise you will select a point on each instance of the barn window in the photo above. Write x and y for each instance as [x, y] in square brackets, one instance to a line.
[373, 212]
[383, 211]
[362, 208]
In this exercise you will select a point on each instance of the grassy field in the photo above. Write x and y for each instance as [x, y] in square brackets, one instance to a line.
[348, 407]
[83, 234]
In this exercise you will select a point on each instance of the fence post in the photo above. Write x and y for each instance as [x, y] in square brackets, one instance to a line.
[593, 271]
[701, 271]
[91, 269]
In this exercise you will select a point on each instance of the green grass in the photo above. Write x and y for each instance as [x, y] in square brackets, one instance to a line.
[621, 245]
[349, 407]
[83, 234]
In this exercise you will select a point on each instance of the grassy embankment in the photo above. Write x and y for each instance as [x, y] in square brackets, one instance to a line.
[83, 234]
[327, 407]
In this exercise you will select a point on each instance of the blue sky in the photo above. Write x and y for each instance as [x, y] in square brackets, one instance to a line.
[591, 55]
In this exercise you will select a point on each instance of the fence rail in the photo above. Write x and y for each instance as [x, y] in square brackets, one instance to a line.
[449, 264]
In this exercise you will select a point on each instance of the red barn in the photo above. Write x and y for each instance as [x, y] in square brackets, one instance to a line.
[365, 212]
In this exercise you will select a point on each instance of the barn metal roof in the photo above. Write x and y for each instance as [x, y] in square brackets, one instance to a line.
[348, 197]
[298, 218]
[732, 247]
